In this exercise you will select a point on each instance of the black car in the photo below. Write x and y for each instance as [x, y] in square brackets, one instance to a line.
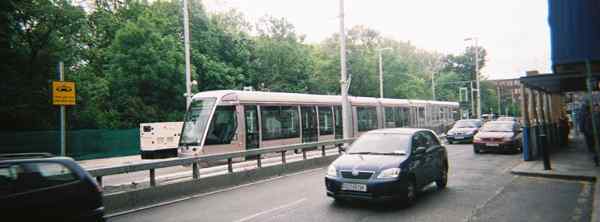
[388, 164]
[39, 187]
[463, 130]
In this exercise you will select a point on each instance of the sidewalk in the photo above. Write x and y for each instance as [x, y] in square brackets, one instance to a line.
[572, 163]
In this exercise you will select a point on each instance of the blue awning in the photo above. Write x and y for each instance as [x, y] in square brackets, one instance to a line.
[574, 30]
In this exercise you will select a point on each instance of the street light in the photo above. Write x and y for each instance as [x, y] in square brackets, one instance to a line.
[380, 50]
[475, 42]
[186, 43]
[346, 108]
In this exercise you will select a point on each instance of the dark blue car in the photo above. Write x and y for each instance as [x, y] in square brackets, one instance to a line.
[388, 164]
[39, 187]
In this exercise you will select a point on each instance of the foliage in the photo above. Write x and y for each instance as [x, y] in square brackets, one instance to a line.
[126, 58]
[35, 36]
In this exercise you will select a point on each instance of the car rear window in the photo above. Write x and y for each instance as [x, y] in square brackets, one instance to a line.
[24, 177]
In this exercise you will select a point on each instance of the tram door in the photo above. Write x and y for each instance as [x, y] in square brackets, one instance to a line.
[309, 124]
[252, 136]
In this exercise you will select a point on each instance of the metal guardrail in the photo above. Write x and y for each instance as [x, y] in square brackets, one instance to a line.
[98, 173]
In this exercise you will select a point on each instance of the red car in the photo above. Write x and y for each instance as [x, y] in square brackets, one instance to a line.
[498, 136]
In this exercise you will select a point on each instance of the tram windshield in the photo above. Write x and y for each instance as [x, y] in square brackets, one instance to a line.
[196, 121]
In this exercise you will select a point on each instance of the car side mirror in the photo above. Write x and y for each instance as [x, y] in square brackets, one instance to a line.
[420, 150]
[342, 149]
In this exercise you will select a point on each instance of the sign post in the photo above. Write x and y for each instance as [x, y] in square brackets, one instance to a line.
[63, 94]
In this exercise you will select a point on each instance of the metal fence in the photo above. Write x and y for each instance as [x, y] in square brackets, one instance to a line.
[229, 157]
[81, 144]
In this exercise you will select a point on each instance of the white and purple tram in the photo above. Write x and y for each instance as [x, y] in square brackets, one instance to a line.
[228, 120]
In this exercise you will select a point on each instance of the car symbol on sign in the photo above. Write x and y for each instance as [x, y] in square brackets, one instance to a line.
[64, 88]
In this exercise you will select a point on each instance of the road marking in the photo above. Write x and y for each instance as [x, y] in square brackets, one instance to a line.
[271, 210]
[200, 195]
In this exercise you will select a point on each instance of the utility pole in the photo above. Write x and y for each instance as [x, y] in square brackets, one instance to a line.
[478, 96]
[344, 80]
[186, 37]
[473, 112]
[381, 70]
[499, 99]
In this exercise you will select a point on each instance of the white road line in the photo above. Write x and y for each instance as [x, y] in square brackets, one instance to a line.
[271, 210]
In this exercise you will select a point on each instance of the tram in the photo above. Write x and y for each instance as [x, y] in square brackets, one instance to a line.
[230, 120]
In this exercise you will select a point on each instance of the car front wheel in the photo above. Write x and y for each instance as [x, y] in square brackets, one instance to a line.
[442, 181]
[410, 193]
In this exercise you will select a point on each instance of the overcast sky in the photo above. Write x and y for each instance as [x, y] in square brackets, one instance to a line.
[514, 32]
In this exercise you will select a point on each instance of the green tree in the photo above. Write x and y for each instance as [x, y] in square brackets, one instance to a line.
[282, 62]
[35, 35]
[145, 68]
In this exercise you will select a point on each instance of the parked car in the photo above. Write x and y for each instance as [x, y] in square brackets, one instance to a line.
[463, 130]
[498, 136]
[507, 118]
[488, 117]
[388, 164]
[40, 187]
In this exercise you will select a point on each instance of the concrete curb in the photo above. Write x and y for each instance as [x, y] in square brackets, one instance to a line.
[596, 204]
[140, 199]
[554, 175]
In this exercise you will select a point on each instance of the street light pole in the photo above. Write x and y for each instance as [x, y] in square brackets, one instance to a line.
[186, 36]
[477, 79]
[381, 70]
[347, 133]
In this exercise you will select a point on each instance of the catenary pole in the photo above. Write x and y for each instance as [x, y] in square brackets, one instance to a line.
[347, 133]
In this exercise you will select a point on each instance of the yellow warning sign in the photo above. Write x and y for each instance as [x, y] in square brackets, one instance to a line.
[63, 93]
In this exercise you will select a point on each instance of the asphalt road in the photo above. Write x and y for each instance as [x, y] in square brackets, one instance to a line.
[480, 188]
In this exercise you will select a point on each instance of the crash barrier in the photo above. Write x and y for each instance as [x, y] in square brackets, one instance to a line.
[82, 144]
[157, 193]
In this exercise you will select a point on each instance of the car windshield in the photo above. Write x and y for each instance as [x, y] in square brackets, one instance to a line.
[466, 124]
[381, 143]
[497, 127]
[196, 121]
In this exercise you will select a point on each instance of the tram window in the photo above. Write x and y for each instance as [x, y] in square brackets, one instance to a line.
[367, 118]
[338, 122]
[223, 126]
[399, 116]
[391, 115]
[279, 122]
[394, 117]
[421, 113]
[325, 120]
[405, 112]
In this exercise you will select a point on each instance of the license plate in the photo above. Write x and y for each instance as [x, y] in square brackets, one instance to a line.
[492, 144]
[354, 187]
[459, 137]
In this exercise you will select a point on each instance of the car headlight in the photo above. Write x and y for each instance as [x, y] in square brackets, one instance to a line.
[507, 139]
[450, 133]
[389, 173]
[331, 171]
